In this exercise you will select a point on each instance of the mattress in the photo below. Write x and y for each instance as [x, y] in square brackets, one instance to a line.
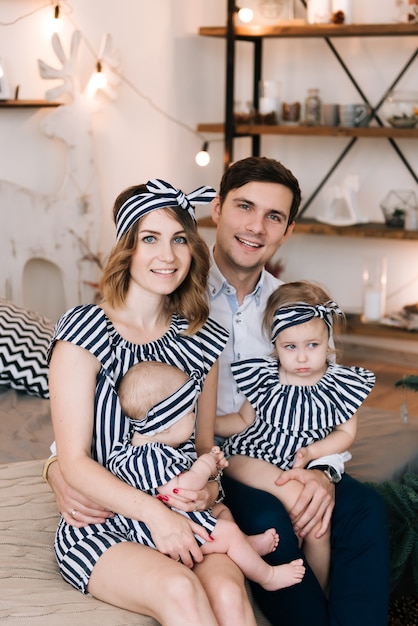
[32, 591]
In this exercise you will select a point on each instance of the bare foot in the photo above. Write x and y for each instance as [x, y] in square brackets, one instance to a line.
[281, 576]
[264, 543]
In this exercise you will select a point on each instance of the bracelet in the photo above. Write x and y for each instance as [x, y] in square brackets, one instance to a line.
[47, 465]
[221, 492]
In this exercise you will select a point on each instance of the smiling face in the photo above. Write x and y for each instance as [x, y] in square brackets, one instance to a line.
[162, 257]
[302, 352]
[251, 224]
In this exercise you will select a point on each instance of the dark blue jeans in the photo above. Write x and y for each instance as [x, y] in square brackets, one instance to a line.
[360, 568]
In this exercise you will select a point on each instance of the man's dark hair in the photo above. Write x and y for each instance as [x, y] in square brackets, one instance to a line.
[263, 170]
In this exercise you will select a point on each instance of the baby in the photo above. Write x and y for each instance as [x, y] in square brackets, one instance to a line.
[159, 457]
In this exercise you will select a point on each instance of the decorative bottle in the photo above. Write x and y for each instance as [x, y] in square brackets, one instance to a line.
[313, 108]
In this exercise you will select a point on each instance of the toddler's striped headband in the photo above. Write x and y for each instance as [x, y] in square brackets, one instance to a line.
[299, 313]
[170, 410]
[160, 195]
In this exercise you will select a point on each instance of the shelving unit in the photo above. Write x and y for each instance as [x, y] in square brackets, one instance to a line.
[255, 35]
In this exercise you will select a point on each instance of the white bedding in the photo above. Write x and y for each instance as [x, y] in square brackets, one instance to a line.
[31, 590]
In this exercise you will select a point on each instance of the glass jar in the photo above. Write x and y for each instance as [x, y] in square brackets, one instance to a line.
[313, 108]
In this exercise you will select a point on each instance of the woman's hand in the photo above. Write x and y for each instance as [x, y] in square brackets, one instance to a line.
[174, 535]
[189, 500]
[73, 506]
[315, 503]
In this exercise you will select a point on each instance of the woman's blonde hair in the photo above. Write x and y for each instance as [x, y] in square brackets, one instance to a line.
[189, 300]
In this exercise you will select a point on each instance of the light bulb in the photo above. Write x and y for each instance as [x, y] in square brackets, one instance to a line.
[245, 15]
[202, 158]
[99, 79]
[56, 22]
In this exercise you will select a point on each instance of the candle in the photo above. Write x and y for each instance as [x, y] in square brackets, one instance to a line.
[373, 305]
[374, 288]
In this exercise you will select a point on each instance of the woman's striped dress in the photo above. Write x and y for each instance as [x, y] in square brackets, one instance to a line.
[77, 550]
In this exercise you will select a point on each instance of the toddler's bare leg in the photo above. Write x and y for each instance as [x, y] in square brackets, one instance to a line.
[264, 543]
[262, 475]
[228, 538]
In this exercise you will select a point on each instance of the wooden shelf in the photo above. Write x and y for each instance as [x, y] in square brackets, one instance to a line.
[355, 326]
[297, 28]
[27, 104]
[376, 230]
[314, 131]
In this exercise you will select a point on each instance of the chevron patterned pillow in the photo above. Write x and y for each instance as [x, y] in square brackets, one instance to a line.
[24, 340]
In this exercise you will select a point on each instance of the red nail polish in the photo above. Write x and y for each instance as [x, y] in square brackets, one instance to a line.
[175, 490]
[211, 538]
[159, 497]
[165, 498]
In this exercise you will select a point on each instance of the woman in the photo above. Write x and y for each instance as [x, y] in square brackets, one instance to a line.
[154, 308]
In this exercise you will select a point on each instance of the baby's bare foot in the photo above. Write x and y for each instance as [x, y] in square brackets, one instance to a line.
[285, 575]
[266, 542]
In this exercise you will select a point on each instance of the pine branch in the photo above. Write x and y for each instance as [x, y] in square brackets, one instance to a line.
[401, 500]
[411, 382]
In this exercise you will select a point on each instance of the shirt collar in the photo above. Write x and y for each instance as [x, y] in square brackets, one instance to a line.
[217, 283]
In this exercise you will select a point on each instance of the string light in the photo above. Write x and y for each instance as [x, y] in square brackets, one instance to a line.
[56, 22]
[99, 79]
[202, 158]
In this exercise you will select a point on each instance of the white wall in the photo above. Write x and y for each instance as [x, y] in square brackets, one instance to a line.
[162, 59]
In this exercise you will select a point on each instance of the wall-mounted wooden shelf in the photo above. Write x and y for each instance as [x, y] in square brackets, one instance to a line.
[27, 104]
[354, 326]
[314, 131]
[376, 230]
[299, 28]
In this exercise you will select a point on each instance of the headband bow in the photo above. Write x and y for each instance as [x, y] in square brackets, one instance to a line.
[160, 195]
[170, 410]
[299, 313]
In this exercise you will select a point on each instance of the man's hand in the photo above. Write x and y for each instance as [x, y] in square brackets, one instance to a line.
[74, 507]
[315, 503]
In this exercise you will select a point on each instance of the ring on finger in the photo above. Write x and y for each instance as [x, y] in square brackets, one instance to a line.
[73, 513]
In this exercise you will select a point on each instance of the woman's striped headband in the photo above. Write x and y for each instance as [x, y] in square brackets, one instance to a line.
[160, 195]
[299, 313]
[170, 410]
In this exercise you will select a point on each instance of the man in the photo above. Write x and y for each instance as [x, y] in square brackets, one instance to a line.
[254, 213]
